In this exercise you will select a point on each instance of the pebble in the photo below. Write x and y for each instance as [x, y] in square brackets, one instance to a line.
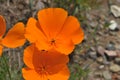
[92, 48]
[112, 33]
[115, 10]
[100, 50]
[107, 75]
[89, 17]
[115, 76]
[76, 58]
[92, 55]
[114, 68]
[100, 59]
[100, 33]
[118, 53]
[93, 24]
[105, 62]
[101, 66]
[113, 25]
[117, 46]
[98, 73]
[110, 46]
[27, 1]
[111, 53]
[39, 5]
[117, 60]
[118, 1]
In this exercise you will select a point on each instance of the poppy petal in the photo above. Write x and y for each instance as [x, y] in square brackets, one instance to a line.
[2, 26]
[42, 45]
[15, 36]
[64, 74]
[72, 30]
[53, 60]
[64, 45]
[52, 20]
[56, 68]
[1, 49]
[30, 74]
[33, 57]
[31, 30]
[28, 56]
[34, 34]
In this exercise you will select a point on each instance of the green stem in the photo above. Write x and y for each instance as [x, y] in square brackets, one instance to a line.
[31, 4]
[7, 67]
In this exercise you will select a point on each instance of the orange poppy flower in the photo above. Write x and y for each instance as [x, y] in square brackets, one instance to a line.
[54, 29]
[45, 65]
[15, 36]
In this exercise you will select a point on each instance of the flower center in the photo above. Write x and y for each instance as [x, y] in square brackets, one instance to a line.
[41, 70]
[52, 41]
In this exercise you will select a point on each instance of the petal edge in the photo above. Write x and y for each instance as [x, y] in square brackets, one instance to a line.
[2, 26]
[15, 36]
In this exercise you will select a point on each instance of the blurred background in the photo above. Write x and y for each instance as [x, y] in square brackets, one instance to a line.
[96, 58]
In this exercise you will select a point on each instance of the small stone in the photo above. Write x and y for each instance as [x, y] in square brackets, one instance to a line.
[112, 33]
[117, 46]
[115, 76]
[101, 66]
[113, 25]
[89, 17]
[115, 10]
[117, 60]
[110, 46]
[100, 50]
[111, 53]
[92, 55]
[39, 5]
[107, 75]
[93, 24]
[97, 73]
[106, 62]
[20, 6]
[101, 26]
[92, 48]
[98, 78]
[76, 58]
[27, 1]
[100, 33]
[118, 1]
[118, 53]
[115, 68]
[100, 59]
[103, 60]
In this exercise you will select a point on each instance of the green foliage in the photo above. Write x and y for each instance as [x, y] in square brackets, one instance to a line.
[77, 73]
[77, 8]
[2, 0]
[3, 70]
[106, 25]
[31, 4]
[6, 73]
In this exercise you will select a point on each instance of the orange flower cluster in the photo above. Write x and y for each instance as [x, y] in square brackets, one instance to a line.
[53, 37]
